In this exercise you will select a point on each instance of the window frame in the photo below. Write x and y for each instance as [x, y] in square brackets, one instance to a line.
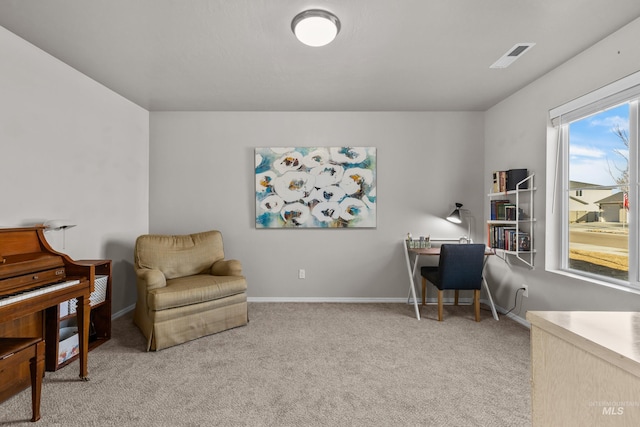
[558, 184]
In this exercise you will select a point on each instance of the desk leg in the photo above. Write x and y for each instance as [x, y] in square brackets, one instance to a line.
[412, 289]
[486, 287]
[413, 278]
[493, 307]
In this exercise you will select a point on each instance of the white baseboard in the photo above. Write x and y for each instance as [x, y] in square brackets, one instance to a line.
[518, 319]
[123, 312]
[511, 316]
[353, 300]
[327, 299]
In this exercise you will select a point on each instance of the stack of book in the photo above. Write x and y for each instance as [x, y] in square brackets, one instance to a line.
[509, 238]
[508, 180]
[504, 210]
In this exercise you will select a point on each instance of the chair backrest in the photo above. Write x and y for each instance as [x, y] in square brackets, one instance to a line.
[179, 255]
[460, 266]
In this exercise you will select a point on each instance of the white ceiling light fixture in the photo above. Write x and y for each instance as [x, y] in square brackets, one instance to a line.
[512, 54]
[315, 27]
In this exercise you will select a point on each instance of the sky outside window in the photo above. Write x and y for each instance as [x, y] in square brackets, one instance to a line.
[592, 146]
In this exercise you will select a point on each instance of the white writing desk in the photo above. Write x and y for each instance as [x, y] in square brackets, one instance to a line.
[435, 251]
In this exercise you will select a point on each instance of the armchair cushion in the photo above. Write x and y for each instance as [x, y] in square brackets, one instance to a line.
[226, 267]
[195, 289]
[179, 256]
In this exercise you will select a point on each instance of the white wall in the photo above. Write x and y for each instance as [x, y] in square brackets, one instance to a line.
[202, 177]
[71, 148]
[516, 135]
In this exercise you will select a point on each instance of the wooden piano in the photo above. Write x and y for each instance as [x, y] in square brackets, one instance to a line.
[33, 278]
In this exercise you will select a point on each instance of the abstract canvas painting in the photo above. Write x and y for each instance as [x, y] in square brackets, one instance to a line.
[315, 187]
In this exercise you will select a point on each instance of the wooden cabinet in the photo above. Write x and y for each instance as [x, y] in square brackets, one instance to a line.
[510, 227]
[585, 368]
[60, 317]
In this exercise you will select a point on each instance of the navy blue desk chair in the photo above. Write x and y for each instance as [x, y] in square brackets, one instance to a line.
[459, 268]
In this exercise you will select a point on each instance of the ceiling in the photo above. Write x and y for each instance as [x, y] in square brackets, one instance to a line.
[241, 55]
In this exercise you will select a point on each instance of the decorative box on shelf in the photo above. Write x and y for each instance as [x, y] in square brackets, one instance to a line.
[64, 309]
[69, 344]
[98, 295]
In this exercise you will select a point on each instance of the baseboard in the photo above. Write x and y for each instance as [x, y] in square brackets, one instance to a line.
[511, 316]
[327, 299]
[123, 312]
[519, 319]
[354, 300]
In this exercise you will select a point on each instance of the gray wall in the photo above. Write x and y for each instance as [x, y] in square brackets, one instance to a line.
[72, 149]
[201, 174]
[516, 136]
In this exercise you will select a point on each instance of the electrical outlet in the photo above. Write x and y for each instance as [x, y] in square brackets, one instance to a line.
[525, 293]
[301, 274]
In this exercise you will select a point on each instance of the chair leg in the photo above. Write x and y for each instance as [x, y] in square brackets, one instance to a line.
[424, 290]
[440, 308]
[476, 303]
[150, 339]
[455, 297]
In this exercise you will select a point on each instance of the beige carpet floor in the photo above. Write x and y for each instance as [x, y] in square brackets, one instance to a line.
[299, 364]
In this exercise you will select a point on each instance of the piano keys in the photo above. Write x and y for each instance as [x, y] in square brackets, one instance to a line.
[35, 292]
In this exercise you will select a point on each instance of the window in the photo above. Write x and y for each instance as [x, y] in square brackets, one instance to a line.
[594, 222]
[598, 164]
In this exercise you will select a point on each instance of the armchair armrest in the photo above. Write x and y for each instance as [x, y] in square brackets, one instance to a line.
[152, 279]
[227, 267]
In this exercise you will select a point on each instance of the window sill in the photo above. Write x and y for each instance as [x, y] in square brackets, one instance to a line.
[622, 286]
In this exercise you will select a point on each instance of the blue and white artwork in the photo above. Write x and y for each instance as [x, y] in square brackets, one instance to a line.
[315, 187]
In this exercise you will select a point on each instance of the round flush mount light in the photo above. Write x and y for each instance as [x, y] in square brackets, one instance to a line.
[315, 27]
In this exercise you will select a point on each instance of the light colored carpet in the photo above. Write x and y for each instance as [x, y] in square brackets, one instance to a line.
[299, 364]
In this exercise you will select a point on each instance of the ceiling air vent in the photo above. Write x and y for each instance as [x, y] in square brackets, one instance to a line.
[512, 54]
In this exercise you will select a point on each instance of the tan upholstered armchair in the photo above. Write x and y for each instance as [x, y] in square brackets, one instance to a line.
[186, 289]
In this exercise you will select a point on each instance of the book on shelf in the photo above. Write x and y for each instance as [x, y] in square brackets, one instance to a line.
[502, 237]
[515, 176]
[499, 180]
[508, 238]
[513, 213]
[510, 212]
[503, 181]
[524, 242]
[498, 209]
